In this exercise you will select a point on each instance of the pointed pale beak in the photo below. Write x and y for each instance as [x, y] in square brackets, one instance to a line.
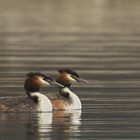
[81, 80]
[54, 83]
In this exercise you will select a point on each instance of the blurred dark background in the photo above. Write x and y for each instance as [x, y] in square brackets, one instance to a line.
[98, 38]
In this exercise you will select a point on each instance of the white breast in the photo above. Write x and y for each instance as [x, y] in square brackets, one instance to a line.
[44, 104]
[76, 103]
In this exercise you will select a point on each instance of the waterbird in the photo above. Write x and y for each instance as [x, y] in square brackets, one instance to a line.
[66, 99]
[33, 100]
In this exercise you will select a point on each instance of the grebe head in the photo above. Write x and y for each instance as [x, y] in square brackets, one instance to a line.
[67, 76]
[35, 80]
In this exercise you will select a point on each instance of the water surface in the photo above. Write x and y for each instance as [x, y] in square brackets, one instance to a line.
[98, 38]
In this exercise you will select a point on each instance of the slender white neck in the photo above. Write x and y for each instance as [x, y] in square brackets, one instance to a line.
[44, 104]
[76, 103]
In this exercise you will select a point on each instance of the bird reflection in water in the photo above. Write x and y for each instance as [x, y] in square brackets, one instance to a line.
[44, 124]
[59, 124]
[44, 121]
[66, 124]
[39, 125]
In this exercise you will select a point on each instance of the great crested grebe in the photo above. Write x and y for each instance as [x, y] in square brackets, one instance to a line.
[33, 101]
[66, 99]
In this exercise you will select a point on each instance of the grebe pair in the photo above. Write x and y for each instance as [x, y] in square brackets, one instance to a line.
[37, 102]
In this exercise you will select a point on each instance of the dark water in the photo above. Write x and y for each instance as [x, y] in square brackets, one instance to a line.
[98, 38]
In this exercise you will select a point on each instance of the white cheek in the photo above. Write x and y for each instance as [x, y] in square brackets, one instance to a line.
[70, 78]
[43, 82]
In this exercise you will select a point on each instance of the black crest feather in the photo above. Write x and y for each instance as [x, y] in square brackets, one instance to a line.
[69, 71]
[32, 74]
